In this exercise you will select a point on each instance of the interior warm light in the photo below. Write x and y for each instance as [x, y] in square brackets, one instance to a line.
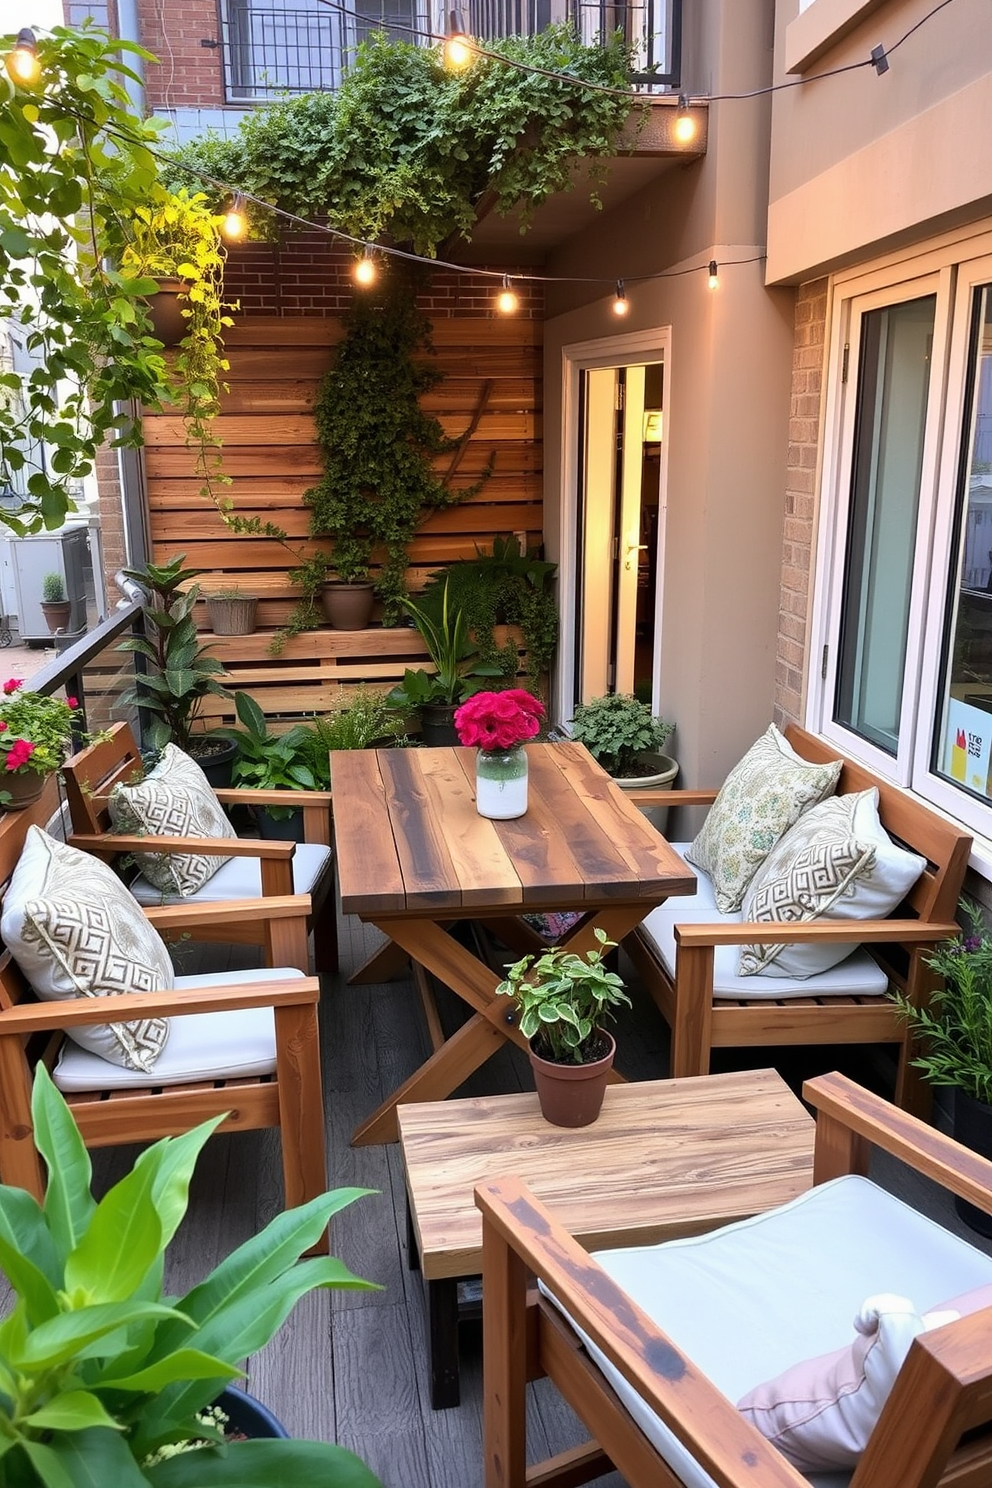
[457, 43]
[714, 277]
[506, 302]
[22, 63]
[234, 223]
[620, 304]
[685, 124]
[365, 270]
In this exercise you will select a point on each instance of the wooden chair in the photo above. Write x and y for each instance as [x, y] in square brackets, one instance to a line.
[289, 1098]
[701, 1023]
[91, 775]
[936, 1427]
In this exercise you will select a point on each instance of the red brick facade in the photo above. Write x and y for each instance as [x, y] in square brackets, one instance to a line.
[800, 499]
[187, 74]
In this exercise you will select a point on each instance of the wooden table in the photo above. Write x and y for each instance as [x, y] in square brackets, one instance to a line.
[665, 1158]
[413, 855]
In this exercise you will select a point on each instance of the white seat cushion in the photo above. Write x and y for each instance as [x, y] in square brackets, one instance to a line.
[218, 1046]
[747, 1301]
[241, 878]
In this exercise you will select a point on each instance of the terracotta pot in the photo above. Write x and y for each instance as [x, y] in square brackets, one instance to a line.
[348, 606]
[57, 613]
[572, 1094]
[973, 1128]
[165, 311]
[25, 787]
[232, 615]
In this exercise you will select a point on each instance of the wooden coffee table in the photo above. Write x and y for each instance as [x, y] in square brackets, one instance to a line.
[665, 1158]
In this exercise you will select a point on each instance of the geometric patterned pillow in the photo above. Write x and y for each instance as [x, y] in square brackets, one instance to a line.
[763, 795]
[174, 800]
[837, 862]
[76, 931]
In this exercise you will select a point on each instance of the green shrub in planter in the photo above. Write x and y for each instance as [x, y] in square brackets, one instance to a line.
[616, 729]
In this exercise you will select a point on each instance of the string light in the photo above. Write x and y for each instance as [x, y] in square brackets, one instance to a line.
[714, 277]
[458, 49]
[620, 304]
[365, 271]
[235, 224]
[685, 125]
[506, 300]
[23, 65]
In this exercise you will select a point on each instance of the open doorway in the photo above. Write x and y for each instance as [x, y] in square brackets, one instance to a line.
[613, 515]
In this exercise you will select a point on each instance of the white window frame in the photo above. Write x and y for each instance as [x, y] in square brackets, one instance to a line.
[950, 267]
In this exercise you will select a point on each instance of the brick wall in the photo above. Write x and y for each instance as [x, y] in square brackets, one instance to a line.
[111, 507]
[186, 74]
[800, 499]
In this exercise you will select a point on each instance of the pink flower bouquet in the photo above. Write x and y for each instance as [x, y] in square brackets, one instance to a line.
[499, 720]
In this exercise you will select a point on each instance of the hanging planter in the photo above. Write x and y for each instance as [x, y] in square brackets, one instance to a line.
[165, 310]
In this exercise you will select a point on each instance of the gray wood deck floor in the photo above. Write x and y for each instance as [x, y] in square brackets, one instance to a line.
[352, 1367]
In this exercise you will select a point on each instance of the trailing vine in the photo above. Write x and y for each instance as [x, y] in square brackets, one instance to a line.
[406, 148]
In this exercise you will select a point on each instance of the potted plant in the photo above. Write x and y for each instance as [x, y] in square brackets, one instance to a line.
[955, 1032]
[36, 735]
[563, 999]
[181, 673]
[435, 695]
[108, 1380]
[55, 605]
[268, 761]
[623, 735]
[365, 721]
[231, 612]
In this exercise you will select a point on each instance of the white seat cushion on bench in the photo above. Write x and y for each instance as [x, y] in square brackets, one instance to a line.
[749, 1300]
[858, 975]
[221, 1046]
[241, 878]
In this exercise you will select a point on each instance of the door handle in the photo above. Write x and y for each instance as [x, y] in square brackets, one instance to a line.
[633, 548]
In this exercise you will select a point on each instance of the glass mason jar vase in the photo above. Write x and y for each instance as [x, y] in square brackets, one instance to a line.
[501, 782]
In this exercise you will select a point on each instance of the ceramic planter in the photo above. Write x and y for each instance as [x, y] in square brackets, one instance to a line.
[249, 1416]
[572, 1094]
[165, 311]
[232, 614]
[973, 1128]
[215, 758]
[347, 606]
[24, 786]
[663, 778]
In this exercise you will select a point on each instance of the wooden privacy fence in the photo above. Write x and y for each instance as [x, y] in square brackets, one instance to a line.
[491, 386]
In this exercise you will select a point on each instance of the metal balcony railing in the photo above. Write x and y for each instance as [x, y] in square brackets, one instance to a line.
[272, 48]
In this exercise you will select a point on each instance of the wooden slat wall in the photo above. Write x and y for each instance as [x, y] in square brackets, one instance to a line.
[266, 427]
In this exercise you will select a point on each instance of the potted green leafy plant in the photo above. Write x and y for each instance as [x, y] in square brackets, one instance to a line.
[55, 605]
[231, 611]
[106, 1380]
[365, 721]
[623, 735]
[36, 735]
[181, 673]
[269, 761]
[563, 999]
[456, 676]
[955, 1032]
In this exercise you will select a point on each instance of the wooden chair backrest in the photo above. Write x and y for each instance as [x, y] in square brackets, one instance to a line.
[946, 847]
[91, 775]
[13, 830]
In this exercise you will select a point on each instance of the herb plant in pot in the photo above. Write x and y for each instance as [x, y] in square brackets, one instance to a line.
[955, 1032]
[563, 999]
[109, 1381]
[500, 723]
[623, 735]
[55, 605]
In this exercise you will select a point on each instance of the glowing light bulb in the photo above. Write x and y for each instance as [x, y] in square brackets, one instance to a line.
[23, 65]
[714, 278]
[234, 223]
[620, 304]
[365, 270]
[685, 124]
[458, 50]
[506, 300]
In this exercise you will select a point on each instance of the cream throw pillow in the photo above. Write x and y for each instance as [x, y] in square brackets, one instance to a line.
[76, 931]
[174, 800]
[837, 862]
[761, 798]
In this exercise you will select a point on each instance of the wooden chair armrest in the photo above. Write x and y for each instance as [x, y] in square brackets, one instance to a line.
[230, 847]
[651, 796]
[39, 1017]
[709, 1426]
[850, 1119]
[245, 795]
[905, 932]
[187, 915]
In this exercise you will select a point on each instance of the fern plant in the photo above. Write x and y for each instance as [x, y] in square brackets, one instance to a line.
[956, 1029]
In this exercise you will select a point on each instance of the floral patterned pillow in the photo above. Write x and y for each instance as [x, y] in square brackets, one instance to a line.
[762, 796]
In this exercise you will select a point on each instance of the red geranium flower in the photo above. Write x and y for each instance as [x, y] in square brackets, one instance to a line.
[72, 702]
[12, 685]
[19, 753]
[499, 720]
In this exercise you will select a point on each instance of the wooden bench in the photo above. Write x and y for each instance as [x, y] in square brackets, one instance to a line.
[91, 775]
[701, 1023]
[288, 1099]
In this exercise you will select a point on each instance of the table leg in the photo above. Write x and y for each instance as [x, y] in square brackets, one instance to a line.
[471, 1046]
[389, 961]
[442, 1312]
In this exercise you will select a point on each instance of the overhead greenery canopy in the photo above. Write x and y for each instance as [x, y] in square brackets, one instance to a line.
[407, 149]
[86, 231]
